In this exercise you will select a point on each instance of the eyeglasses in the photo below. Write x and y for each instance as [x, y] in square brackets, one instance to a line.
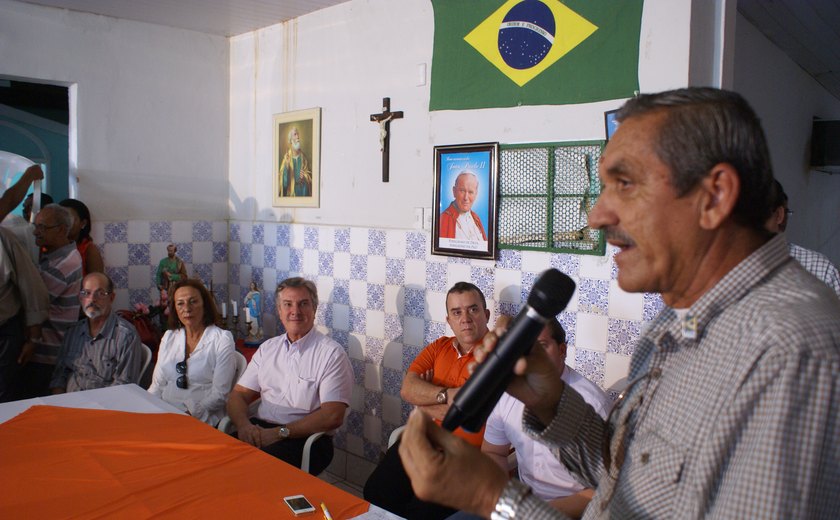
[97, 294]
[623, 430]
[42, 227]
[181, 368]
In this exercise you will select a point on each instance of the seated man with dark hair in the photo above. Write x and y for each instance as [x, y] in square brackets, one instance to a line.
[814, 262]
[537, 467]
[432, 382]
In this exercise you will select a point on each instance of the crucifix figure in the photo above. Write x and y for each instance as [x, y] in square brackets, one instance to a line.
[384, 119]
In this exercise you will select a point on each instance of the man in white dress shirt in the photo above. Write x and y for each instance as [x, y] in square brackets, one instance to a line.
[537, 466]
[304, 380]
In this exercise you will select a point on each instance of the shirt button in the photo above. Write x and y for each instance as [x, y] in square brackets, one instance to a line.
[655, 373]
[645, 458]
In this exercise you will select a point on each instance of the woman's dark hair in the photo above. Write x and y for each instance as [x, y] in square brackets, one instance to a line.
[211, 313]
[84, 214]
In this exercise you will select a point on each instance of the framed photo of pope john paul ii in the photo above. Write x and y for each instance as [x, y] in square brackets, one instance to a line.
[465, 200]
[297, 158]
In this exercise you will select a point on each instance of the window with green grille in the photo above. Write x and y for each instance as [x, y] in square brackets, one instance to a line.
[546, 192]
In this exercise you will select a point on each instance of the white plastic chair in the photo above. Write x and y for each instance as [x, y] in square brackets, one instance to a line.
[395, 435]
[616, 388]
[145, 379]
[227, 426]
[241, 365]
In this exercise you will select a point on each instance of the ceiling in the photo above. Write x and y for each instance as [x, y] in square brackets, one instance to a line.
[806, 30]
[219, 17]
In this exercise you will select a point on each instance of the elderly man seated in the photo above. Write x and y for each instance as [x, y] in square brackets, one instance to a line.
[100, 350]
[304, 379]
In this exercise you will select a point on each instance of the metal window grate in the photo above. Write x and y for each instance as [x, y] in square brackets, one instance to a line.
[546, 193]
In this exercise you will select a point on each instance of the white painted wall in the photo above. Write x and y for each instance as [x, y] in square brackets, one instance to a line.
[151, 104]
[345, 59]
[787, 99]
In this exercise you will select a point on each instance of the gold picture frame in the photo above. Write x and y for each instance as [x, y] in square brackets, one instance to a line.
[296, 170]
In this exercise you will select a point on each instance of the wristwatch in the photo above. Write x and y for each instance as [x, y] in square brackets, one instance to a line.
[283, 432]
[512, 495]
[442, 396]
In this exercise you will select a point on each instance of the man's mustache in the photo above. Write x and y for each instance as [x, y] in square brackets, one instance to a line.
[612, 233]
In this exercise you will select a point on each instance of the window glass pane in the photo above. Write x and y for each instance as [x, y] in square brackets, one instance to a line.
[559, 176]
[522, 222]
[528, 168]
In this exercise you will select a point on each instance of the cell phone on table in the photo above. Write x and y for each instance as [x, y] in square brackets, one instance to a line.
[299, 505]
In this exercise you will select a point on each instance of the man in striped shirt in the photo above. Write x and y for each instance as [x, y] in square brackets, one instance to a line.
[101, 350]
[61, 270]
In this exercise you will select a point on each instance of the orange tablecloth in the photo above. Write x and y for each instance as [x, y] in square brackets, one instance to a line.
[62, 462]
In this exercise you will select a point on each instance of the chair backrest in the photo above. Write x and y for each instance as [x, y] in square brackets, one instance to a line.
[395, 435]
[146, 362]
[241, 364]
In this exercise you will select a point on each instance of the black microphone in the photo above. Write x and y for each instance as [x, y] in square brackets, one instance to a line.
[476, 399]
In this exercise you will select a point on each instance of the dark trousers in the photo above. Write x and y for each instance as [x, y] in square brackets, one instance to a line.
[35, 379]
[390, 488]
[11, 342]
[291, 450]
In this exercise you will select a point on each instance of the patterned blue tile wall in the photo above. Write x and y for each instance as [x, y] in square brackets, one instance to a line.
[382, 296]
[132, 250]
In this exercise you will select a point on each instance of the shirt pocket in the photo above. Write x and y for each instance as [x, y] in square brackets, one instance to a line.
[305, 393]
[653, 469]
[106, 369]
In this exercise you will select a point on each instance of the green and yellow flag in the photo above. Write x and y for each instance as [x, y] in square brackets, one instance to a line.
[503, 53]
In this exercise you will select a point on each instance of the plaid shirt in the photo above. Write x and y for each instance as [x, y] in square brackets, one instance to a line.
[818, 265]
[113, 357]
[736, 413]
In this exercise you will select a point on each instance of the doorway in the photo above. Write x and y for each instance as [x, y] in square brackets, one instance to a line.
[34, 123]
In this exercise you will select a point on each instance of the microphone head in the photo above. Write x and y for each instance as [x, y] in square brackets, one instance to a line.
[551, 293]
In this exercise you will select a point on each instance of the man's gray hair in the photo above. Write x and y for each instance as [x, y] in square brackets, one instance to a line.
[704, 127]
[62, 215]
[297, 281]
[109, 284]
[467, 172]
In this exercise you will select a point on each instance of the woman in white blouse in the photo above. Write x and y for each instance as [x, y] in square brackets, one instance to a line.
[196, 362]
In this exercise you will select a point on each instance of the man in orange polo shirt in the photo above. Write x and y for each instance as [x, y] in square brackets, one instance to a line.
[431, 383]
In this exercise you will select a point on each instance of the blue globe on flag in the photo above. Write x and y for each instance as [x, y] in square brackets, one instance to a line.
[526, 34]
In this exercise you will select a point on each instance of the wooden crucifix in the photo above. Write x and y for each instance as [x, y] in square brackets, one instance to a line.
[384, 119]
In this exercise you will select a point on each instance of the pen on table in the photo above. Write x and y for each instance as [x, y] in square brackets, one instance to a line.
[327, 515]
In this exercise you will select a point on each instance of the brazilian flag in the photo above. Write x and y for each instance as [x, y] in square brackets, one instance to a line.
[504, 53]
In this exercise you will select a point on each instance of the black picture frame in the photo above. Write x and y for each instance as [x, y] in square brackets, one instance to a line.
[458, 167]
[610, 123]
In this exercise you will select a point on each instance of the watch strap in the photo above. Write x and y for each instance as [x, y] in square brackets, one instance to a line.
[512, 496]
[443, 396]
